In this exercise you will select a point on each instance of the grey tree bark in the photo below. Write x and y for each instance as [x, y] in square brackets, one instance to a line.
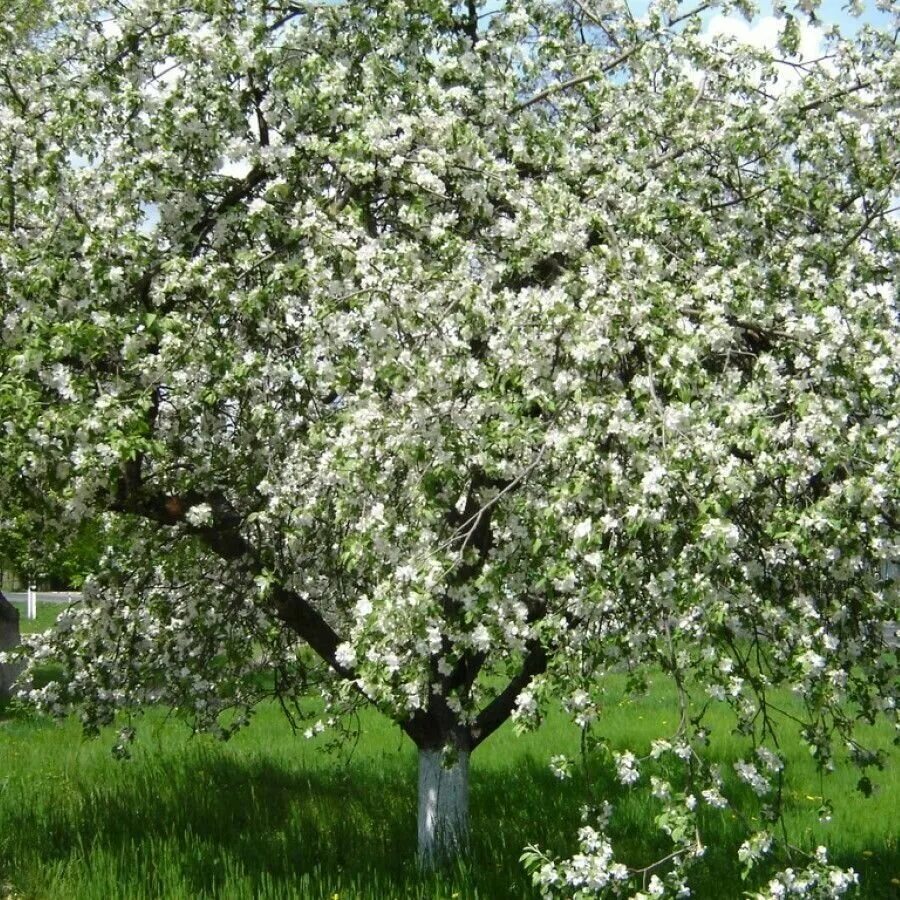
[10, 637]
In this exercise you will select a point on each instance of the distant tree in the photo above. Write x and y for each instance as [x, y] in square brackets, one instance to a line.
[43, 550]
[478, 350]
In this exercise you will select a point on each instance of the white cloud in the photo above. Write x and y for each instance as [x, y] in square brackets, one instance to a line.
[763, 34]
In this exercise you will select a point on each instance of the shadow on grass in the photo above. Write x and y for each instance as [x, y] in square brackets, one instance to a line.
[213, 815]
[210, 823]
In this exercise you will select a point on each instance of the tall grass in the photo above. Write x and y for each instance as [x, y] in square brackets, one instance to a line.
[268, 815]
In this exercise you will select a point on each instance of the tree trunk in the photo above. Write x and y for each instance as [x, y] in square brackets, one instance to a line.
[443, 806]
[10, 637]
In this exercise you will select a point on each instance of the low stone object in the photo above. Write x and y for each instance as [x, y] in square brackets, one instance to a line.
[10, 637]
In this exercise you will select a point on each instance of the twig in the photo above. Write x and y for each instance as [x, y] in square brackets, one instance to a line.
[597, 21]
[580, 79]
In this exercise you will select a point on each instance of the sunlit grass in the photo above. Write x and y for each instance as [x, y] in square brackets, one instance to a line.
[270, 815]
[46, 616]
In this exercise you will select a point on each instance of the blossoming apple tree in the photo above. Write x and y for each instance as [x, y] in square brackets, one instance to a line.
[461, 352]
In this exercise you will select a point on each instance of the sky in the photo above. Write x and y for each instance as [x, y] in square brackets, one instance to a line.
[763, 30]
[830, 12]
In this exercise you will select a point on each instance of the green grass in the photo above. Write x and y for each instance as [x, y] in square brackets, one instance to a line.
[46, 616]
[269, 815]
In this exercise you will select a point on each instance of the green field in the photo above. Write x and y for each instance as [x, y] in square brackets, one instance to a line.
[46, 616]
[270, 815]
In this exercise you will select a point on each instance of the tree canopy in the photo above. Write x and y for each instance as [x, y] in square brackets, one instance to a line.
[477, 349]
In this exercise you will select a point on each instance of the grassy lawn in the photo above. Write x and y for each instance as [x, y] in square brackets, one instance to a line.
[269, 815]
[46, 616]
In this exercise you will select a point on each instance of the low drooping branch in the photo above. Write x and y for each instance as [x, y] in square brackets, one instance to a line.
[222, 536]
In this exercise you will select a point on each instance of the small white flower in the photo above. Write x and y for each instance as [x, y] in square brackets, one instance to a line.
[770, 760]
[561, 766]
[583, 529]
[626, 768]
[199, 515]
[714, 798]
[345, 655]
[443, 666]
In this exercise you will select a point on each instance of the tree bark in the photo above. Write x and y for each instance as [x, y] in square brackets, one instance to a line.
[443, 805]
[10, 637]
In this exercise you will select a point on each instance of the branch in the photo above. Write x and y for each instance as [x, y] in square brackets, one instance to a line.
[612, 64]
[821, 101]
[464, 673]
[238, 192]
[11, 193]
[292, 13]
[304, 619]
[597, 21]
[223, 537]
[553, 89]
[23, 106]
[696, 11]
[501, 707]
[258, 94]
[437, 726]
[579, 79]
[470, 24]
[478, 534]
[471, 522]
[881, 209]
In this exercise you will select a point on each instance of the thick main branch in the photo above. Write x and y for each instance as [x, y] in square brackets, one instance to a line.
[502, 706]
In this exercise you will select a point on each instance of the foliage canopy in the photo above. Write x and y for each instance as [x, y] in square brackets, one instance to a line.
[465, 345]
